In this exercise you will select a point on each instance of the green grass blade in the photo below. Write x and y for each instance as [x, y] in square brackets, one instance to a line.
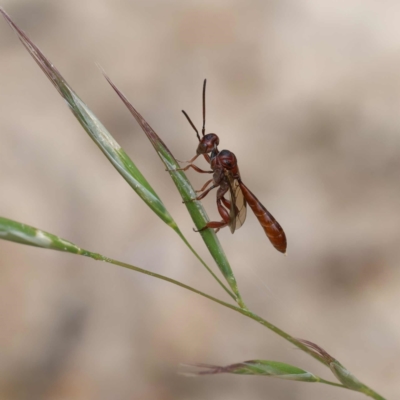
[260, 367]
[274, 369]
[20, 233]
[107, 144]
[187, 193]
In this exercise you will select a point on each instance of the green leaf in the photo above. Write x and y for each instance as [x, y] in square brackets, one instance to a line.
[261, 367]
[20, 233]
[96, 130]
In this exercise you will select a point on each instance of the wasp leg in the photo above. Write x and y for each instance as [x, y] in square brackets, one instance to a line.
[228, 204]
[190, 161]
[195, 167]
[213, 225]
[221, 209]
[202, 195]
[205, 185]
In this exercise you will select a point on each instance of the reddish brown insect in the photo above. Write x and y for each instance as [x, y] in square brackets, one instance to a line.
[227, 178]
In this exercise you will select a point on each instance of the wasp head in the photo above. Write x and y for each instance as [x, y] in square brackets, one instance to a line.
[208, 143]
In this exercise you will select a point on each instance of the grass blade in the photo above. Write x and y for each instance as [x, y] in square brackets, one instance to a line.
[274, 369]
[20, 233]
[261, 367]
[96, 130]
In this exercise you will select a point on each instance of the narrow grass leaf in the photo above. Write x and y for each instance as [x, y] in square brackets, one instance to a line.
[187, 193]
[107, 144]
[261, 367]
[20, 233]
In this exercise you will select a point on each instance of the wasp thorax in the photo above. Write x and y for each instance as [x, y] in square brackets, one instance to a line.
[227, 159]
[208, 143]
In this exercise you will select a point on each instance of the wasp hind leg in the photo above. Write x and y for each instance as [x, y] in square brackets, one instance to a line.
[217, 225]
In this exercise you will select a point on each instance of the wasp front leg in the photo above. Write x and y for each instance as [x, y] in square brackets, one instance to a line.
[189, 161]
[190, 165]
[195, 167]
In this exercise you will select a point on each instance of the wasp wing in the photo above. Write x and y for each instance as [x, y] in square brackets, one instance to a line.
[237, 211]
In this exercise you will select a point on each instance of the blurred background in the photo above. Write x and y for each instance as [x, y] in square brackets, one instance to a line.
[305, 93]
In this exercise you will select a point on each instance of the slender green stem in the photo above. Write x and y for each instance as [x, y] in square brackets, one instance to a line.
[371, 393]
[245, 312]
[234, 297]
[332, 383]
[365, 389]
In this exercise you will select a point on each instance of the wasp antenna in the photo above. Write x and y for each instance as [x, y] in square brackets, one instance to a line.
[204, 107]
[192, 124]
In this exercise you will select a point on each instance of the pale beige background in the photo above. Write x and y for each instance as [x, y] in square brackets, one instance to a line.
[306, 93]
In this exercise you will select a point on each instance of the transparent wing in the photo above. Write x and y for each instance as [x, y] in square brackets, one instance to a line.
[238, 209]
